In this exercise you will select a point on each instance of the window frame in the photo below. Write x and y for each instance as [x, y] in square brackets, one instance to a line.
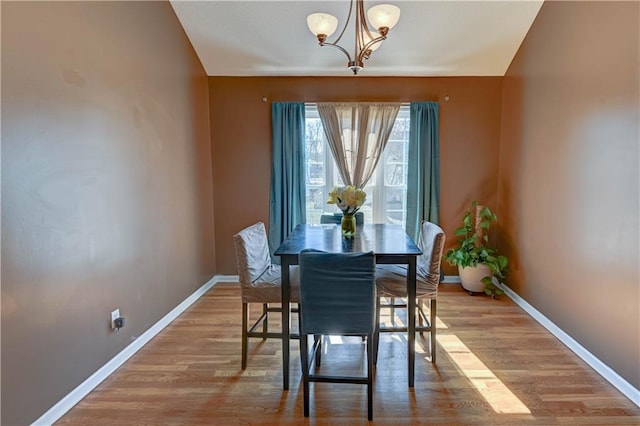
[377, 212]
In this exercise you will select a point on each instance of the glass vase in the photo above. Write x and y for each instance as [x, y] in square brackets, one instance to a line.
[348, 224]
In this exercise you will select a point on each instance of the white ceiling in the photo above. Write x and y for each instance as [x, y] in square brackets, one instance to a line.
[432, 38]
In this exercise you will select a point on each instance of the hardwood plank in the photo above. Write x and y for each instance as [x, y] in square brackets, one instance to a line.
[496, 365]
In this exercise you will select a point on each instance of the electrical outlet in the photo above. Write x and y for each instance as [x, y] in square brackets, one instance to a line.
[114, 316]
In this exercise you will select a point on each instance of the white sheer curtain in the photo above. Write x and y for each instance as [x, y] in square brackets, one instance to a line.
[357, 134]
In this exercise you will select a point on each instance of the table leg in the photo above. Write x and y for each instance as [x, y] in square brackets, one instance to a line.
[411, 317]
[285, 286]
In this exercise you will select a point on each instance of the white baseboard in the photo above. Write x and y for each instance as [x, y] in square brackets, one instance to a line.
[601, 368]
[227, 279]
[76, 395]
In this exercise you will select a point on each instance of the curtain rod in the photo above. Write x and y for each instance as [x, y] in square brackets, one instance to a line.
[354, 102]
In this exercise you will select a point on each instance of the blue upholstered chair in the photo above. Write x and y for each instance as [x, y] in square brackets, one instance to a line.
[337, 217]
[337, 297]
[391, 282]
[259, 282]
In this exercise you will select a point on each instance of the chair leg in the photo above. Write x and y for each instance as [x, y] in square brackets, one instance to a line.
[301, 338]
[370, 343]
[318, 338]
[420, 306]
[393, 309]
[245, 320]
[376, 335]
[265, 322]
[304, 360]
[432, 309]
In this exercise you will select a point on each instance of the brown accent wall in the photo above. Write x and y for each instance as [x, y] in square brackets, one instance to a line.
[569, 180]
[241, 140]
[106, 187]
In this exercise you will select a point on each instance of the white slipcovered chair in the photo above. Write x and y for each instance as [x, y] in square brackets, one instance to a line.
[391, 282]
[259, 283]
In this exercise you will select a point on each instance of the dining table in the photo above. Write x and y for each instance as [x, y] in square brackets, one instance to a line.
[390, 244]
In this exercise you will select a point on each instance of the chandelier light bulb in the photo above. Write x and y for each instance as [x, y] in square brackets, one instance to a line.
[383, 16]
[322, 23]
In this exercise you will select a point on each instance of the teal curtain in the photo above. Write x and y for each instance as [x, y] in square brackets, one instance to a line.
[423, 174]
[287, 205]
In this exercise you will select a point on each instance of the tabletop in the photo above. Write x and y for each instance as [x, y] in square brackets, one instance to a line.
[382, 239]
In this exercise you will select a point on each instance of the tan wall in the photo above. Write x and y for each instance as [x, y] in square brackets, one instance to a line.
[241, 140]
[569, 183]
[106, 187]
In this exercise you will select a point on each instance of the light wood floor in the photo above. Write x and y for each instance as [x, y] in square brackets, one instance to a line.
[495, 365]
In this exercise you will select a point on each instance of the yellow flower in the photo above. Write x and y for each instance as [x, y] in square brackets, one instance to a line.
[333, 196]
[348, 196]
[360, 196]
[349, 199]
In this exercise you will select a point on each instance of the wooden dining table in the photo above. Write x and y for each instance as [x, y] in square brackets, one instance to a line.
[391, 245]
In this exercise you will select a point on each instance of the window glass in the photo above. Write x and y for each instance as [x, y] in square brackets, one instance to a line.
[387, 189]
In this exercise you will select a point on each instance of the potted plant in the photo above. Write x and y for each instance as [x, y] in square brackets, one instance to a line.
[478, 264]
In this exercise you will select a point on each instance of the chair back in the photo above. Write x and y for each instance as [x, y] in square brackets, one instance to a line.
[252, 253]
[337, 293]
[431, 242]
[337, 218]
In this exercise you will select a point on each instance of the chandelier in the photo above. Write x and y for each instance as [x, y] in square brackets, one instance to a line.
[382, 17]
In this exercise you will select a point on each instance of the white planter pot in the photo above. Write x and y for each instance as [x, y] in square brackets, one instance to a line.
[471, 277]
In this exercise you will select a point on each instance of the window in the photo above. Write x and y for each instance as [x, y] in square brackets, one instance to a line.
[387, 189]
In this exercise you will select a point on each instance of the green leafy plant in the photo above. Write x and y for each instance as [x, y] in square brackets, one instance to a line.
[473, 247]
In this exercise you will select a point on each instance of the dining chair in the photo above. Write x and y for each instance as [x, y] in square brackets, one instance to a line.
[259, 283]
[337, 297]
[391, 283]
[327, 218]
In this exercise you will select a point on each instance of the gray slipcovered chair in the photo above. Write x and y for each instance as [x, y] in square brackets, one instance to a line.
[337, 297]
[259, 282]
[391, 282]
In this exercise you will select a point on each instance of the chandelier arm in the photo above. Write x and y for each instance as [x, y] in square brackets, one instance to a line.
[367, 46]
[346, 24]
[340, 48]
[363, 26]
[362, 49]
